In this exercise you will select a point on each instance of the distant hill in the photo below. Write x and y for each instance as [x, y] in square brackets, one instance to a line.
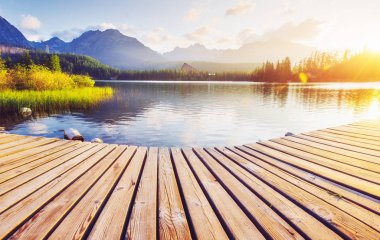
[215, 67]
[110, 47]
[196, 52]
[119, 51]
[187, 68]
[255, 52]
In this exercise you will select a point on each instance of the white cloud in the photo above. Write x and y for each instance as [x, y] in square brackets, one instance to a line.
[68, 35]
[304, 31]
[29, 22]
[160, 40]
[192, 15]
[242, 7]
[33, 37]
[199, 34]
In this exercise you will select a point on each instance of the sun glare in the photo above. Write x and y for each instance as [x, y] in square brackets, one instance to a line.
[373, 45]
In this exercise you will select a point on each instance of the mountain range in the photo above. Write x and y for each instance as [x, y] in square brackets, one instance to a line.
[117, 50]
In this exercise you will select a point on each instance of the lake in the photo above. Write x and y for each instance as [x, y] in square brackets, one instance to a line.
[209, 113]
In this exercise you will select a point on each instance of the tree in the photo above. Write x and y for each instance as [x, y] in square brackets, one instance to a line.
[2, 64]
[55, 63]
[27, 60]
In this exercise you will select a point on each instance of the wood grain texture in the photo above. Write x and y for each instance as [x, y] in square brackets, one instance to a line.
[237, 222]
[205, 221]
[258, 210]
[112, 220]
[143, 221]
[336, 176]
[172, 219]
[74, 197]
[323, 184]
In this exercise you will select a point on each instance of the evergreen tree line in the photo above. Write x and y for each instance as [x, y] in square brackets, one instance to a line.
[321, 66]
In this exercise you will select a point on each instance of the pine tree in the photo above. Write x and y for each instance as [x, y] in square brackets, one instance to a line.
[55, 63]
[2, 64]
[27, 60]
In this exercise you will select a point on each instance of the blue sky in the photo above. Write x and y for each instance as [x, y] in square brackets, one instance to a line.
[165, 24]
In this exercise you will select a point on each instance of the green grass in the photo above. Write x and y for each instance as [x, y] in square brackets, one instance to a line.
[53, 100]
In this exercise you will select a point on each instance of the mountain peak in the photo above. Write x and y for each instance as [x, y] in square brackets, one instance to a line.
[55, 40]
[10, 35]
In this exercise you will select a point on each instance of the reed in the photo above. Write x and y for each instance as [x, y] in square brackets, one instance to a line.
[53, 100]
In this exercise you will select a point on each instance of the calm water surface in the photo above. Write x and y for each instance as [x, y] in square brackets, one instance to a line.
[210, 114]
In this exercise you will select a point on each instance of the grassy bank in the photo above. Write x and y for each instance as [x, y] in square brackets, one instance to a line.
[53, 100]
[46, 89]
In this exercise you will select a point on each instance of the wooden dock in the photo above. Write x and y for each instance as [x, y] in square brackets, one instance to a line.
[317, 185]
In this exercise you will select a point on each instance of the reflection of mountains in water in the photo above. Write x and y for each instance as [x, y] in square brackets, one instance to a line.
[133, 99]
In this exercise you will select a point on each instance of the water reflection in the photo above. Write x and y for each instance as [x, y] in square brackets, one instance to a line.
[209, 114]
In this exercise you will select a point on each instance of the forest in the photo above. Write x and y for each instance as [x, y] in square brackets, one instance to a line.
[320, 67]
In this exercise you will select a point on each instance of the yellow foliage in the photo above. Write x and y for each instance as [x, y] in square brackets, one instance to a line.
[303, 77]
[40, 78]
[83, 81]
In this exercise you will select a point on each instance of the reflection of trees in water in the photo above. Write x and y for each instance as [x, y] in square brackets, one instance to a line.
[133, 99]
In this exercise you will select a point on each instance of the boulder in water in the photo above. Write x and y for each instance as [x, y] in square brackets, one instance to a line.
[73, 134]
[289, 134]
[24, 111]
[97, 140]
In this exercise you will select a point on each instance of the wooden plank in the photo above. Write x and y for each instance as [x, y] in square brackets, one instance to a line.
[172, 219]
[333, 216]
[19, 157]
[22, 141]
[328, 153]
[32, 160]
[296, 215]
[335, 150]
[28, 176]
[370, 218]
[327, 159]
[359, 136]
[24, 147]
[358, 131]
[84, 213]
[17, 194]
[21, 211]
[143, 220]
[263, 214]
[350, 181]
[64, 205]
[357, 152]
[355, 141]
[334, 189]
[6, 138]
[236, 221]
[370, 125]
[112, 219]
[204, 220]
[13, 171]
[366, 128]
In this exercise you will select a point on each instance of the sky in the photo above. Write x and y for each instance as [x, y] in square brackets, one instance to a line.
[165, 24]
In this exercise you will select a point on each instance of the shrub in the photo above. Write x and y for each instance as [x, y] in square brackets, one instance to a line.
[82, 81]
[4, 80]
[41, 78]
[16, 77]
